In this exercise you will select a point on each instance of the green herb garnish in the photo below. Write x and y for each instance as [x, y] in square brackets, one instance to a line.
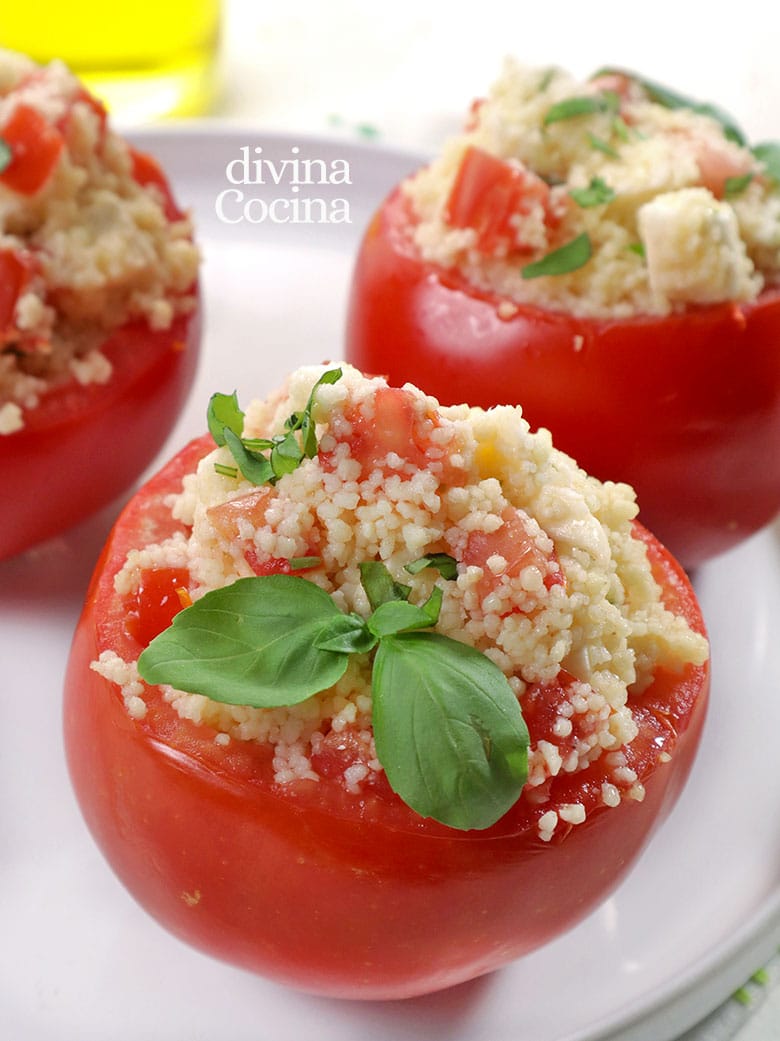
[286, 451]
[573, 255]
[637, 247]
[671, 99]
[598, 193]
[598, 144]
[768, 152]
[448, 728]
[446, 565]
[304, 563]
[735, 186]
[6, 155]
[588, 105]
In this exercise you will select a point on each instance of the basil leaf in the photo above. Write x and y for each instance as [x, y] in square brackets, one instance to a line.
[222, 412]
[297, 420]
[286, 456]
[768, 152]
[448, 730]
[250, 643]
[6, 155]
[379, 584]
[588, 105]
[735, 186]
[256, 468]
[598, 193]
[573, 255]
[671, 99]
[396, 616]
[446, 565]
[348, 633]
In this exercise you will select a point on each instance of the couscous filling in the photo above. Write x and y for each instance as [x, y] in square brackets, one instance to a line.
[607, 198]
[87, 239]
[533, 563]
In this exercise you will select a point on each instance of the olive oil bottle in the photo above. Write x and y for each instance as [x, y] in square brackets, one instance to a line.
[145, 59]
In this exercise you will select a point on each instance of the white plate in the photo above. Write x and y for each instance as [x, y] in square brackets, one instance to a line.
[80, 961]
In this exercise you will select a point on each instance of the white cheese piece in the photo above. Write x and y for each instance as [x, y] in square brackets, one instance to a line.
[693, 249]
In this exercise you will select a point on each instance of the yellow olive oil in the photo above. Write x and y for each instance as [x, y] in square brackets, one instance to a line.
[146, 59]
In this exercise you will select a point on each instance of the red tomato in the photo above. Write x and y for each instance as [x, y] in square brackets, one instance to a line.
[486, 194]
[685, 408]
[35, 148]
[162, 593]
[14, 273]
[339, 894]
[81, 446]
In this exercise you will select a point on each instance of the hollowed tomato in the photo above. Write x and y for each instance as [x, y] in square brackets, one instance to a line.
[83, 445]
[346, 895]
[684, 407]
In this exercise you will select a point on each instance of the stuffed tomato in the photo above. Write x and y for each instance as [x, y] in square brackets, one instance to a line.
[99, 308]
[372, 696]
[604, 254]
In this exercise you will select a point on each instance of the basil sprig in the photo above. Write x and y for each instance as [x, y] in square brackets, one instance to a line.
[561, 261]
[286, 451]
[448, 728]
[6, 155]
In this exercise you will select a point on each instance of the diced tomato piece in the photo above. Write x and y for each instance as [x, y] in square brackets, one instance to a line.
[227, 516]
[161, 594]
[717, 164]
[542, 705]
[612, 82]
[513, 542]
[35, 149]
[339, 750]
[84, 97]
[488, 192]
[148, 172]
[15, 272]
[395, 427]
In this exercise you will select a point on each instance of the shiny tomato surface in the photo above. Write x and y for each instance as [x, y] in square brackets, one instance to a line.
[83, 445]
[346, 895]
[686, 408]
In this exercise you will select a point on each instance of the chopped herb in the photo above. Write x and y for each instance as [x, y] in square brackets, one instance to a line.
[598, 193]
[600, 145]
[573, 255]
[446, 565]
[226, 471]
[734, 186]
[620, 129]
[670, 99]
[287, 450]
[588, 105]
[304, 563]
[448, 727]
[6, 155]
[638, 248]
[768, 152]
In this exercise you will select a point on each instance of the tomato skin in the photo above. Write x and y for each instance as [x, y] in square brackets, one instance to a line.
[684, 407]
[81, 446]
[351, 897]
